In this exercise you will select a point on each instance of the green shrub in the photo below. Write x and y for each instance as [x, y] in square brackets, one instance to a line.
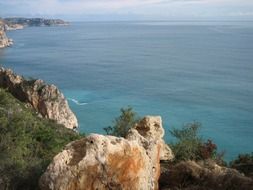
[243, 163]
[188, 142]
[190, 146]
[122, 123]
[27, 144]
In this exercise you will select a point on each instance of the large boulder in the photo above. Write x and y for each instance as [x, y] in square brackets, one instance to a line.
[46, 99]
[107, 162]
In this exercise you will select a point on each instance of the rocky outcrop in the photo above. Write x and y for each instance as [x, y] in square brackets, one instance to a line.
[204, 175]
[4, 40]
[13, 27]
[46, 99]
[149, 133]
[107, 162]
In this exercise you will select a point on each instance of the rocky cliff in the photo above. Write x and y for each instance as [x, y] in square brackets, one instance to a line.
[46, 99]
[4, 40]
[107, 162]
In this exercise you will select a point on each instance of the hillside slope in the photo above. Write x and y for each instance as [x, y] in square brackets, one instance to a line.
[27, 143]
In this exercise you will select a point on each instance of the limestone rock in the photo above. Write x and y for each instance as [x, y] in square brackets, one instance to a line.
[98, 162]
[46, 99]
[107, 162]
[149, 132]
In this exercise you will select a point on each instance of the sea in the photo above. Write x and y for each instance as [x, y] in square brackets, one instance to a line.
[184, 71]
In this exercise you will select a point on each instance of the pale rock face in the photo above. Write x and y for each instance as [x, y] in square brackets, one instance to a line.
[150, 130]
[107, 162]
[98, 162]
[4, 41]
[46, 99]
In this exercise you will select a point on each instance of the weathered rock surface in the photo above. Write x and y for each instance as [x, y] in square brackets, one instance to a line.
[46, 99]
[149, 133]
[205, 175]
[107, 162]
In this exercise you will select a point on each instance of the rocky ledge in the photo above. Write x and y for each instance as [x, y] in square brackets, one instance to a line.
[46, 99]
[202, 175]
[107, 162]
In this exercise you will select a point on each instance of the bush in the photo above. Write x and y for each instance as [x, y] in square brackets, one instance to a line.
[190, 146]
[122, 123]
[188, 142]
[27, 144]
[243, 163]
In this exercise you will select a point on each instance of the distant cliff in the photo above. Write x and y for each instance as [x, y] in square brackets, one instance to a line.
[34, 21]
[4, 40]
[46, 99]
[17, 23]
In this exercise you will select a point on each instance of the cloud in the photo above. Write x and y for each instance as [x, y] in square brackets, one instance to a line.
[159, 8]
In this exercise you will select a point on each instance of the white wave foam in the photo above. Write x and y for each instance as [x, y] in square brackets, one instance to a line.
[77, 102]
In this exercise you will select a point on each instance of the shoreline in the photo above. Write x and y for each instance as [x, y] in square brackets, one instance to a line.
[12, 24]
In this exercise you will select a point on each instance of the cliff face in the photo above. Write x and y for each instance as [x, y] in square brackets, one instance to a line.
[4, 40]
[46, 99]
[107, 162]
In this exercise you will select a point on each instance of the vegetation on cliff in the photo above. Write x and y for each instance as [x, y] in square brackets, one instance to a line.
[244, 164]
[190, 146]
[122, 123]
[27, 143]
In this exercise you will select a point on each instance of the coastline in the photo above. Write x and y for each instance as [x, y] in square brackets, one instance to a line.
[10, 24]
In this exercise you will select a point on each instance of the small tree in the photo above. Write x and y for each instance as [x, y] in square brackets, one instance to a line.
[188, 142]
[190, 146]
[243, 163]
[122, 123]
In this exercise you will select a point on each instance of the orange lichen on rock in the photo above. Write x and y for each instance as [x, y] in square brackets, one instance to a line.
[126, 167]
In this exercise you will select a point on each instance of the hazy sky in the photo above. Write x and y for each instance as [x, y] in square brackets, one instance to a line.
[129, 9]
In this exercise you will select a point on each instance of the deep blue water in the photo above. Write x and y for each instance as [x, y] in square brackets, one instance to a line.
[183, 71]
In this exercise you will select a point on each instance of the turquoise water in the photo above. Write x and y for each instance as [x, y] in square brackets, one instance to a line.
[183, 71]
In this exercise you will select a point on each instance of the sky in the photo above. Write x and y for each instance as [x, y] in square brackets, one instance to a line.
[130, 9]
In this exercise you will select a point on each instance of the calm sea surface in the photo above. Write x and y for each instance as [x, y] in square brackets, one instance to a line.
[183, 71]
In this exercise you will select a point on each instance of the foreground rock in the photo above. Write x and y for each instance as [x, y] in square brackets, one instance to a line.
[107, 162]
[202, 176]
[46, 99]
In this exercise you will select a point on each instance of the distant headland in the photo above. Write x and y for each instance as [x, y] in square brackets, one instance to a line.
[17, 23]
